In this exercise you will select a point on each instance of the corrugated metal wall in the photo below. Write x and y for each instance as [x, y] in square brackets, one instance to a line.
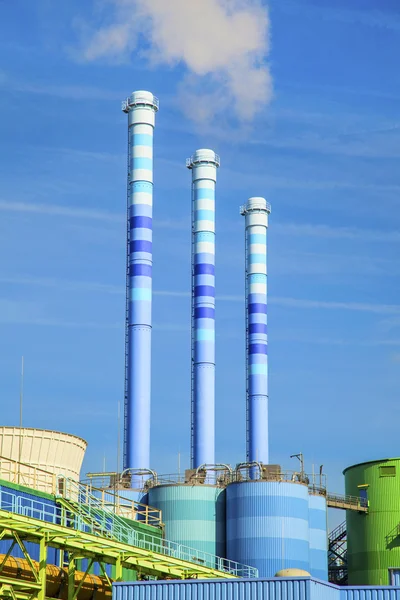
[248, 589]
[193, 515]
[318, 537]
[267, 525]
[240, 589]
[369, 593]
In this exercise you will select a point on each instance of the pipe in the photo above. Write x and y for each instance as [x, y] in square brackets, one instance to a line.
[203, 164]
[140, 108]
[93, 586]
[256, 212]
[216, 467]
[139, 473]
[250, 467]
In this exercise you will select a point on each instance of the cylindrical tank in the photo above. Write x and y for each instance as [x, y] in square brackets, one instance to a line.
[267, 525]
[37, 456]
[194, 515]
[318, 536]
[373, 538]
[57, 579]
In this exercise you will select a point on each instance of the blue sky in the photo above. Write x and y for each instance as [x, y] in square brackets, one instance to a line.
[324, 151]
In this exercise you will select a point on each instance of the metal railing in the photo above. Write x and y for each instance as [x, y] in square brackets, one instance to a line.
[89, 518]
[125, 507]
[244, 209]
[38, 479]
[22, 473]
[347, 502]
[219, 475]
[338, 533]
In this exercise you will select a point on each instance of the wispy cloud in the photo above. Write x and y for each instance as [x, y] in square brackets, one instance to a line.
[56, 210]
[388, 309]
[366, 144]
[329, 341]
[14, 312]
[67, 92]
[59, 211]
[62, 284]
[374, 18]
[329, 232]
[227, 63]
[287, 302]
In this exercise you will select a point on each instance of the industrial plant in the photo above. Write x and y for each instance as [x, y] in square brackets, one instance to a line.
[251, 530]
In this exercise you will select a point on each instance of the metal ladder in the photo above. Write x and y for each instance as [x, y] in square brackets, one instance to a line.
[127, 289]
[337, 555]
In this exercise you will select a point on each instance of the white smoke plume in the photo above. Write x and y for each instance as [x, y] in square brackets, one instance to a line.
[222, 44]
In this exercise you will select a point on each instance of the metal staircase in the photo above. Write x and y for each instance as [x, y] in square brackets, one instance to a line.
[83, 511]
[337, 555]
[80, 510]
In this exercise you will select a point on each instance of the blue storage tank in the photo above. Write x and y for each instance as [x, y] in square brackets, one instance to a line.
[318, 536]
[267, 525]
[194, 515]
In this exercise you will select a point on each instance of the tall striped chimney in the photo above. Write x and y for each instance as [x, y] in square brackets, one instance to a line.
[203, 164]
[256, 213]
[141, 108]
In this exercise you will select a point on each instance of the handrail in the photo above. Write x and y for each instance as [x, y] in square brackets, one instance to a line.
[337, 532]
[355, 502]
[22, 473]
[90, 519]
[39, 479]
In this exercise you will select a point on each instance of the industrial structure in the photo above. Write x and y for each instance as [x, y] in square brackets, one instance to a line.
[141, 108]
[65, 537]
[256, 212]
[373, 539]
[203, 164]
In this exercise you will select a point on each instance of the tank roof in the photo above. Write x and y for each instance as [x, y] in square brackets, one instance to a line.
[370, 462]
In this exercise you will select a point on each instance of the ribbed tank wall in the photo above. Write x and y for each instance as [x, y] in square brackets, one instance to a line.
[193, 515]
[373, 541]
[318, 537]
[267, 525]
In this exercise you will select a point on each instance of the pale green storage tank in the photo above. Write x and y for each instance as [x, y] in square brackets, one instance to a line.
[373, 539]
[194, 515]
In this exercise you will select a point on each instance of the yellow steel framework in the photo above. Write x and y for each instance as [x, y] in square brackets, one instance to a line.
[77, 545]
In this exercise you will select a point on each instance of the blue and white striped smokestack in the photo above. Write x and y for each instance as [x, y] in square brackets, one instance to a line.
[256, 212]
[141, 108]
[204, 164]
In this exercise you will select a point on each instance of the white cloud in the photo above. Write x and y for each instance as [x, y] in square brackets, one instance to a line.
[223, 44]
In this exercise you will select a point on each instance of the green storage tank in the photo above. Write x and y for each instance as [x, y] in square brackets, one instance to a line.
[373, 538]
[194, 515]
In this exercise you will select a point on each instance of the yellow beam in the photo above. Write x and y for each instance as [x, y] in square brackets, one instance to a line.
[105, 549]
